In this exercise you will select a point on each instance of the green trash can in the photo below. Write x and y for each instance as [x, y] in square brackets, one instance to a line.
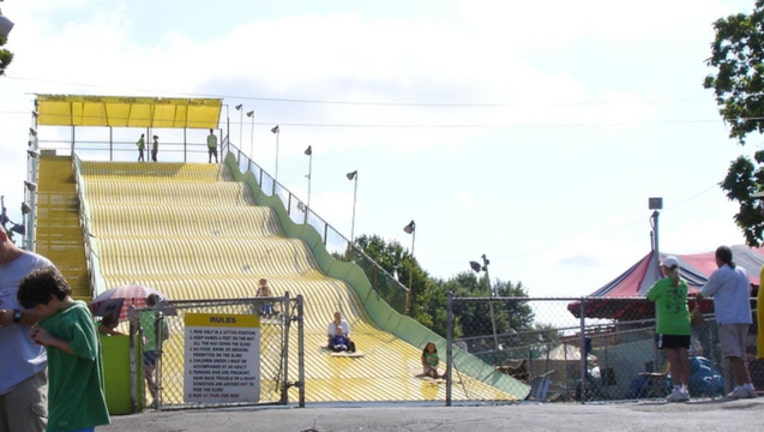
[116, 371]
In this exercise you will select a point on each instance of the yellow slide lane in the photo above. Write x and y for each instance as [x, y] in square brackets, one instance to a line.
[192, 233]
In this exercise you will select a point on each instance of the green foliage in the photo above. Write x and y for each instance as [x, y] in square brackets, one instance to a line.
[475, 317]
[5, 56]
[737, 54]
[427, 298]
[426, 303]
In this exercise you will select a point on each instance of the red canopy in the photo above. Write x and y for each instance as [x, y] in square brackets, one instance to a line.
[695, 269]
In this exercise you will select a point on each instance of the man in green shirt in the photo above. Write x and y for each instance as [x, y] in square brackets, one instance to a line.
[212, 146]
[141, 145]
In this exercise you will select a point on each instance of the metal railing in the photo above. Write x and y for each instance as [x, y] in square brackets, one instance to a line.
[383, 283]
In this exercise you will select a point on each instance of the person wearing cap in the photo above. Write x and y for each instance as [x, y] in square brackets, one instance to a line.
[731, 289]
[672, 326]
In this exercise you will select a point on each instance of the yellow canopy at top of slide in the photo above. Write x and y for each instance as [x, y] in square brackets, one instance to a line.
[128, 111]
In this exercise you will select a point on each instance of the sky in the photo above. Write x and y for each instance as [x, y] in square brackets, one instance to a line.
[531, 132]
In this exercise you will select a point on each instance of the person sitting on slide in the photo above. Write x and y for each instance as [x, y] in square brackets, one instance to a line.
[339, 324]
[430, 361]
[339, 342]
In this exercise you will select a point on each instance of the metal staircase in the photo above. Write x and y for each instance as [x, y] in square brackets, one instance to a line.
[59, 235]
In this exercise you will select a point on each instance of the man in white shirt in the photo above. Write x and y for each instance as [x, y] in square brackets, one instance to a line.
[731, 289]
[332, 330]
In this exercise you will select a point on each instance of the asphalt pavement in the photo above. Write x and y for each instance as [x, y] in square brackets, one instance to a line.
[706, 415]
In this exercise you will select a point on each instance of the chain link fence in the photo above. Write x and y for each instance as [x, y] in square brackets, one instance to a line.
[588, 349]
[212, 353]
[229, 352]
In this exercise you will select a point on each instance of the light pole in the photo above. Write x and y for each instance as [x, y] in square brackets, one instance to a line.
[227, 126]
[240, 109]
[353, 176]
[410, 229]
[276, 131]
[477, 268]
[655, 204]
[309, 152]
[251, 115]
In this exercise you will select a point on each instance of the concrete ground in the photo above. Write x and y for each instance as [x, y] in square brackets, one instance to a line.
[704, 415]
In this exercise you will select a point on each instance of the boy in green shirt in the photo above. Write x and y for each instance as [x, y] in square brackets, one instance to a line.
[76, 400]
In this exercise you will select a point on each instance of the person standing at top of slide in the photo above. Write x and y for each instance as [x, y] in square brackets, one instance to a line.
[155, 148]
[141, 146]
[212, 147]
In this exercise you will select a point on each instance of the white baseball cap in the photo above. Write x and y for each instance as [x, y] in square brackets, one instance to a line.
[670, 262]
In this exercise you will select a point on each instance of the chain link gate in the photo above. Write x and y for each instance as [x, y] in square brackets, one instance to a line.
[215, 353]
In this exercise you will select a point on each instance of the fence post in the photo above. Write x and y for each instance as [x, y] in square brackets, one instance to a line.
[159, 336]
[449, 341]
[301, 348]
[133, 367]
[285, 342]
[582, 347]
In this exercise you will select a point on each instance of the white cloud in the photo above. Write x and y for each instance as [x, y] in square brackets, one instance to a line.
[491, 54]
[542, 24]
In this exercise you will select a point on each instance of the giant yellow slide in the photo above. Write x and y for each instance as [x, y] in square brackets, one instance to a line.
[195, 231]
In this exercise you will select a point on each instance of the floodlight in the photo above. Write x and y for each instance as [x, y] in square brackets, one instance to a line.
[408, 229]
[5, 26]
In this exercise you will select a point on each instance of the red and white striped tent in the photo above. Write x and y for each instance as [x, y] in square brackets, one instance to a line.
[618, 294]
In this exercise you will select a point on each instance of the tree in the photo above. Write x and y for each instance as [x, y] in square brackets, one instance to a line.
[427, 301]
[737, 54]
[398, 262]
[474, 316]
[5, 56]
